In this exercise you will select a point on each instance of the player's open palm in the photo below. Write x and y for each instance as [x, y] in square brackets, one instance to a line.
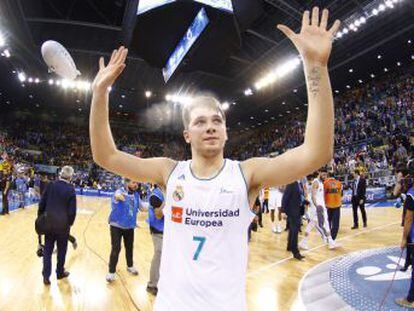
[314, 42]
[107, 75]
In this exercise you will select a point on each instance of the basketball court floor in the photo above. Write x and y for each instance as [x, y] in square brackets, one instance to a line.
[273, 278]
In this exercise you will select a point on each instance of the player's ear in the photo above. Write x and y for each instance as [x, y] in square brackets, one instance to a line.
[186, 135]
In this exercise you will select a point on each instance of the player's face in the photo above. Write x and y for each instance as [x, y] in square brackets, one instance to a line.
[323, 175]
[207, 131]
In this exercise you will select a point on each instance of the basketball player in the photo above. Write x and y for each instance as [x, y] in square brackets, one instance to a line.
[207, 214]
[275, 203]
[318, 214]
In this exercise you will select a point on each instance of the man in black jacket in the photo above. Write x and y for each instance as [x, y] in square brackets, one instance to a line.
[5, 184]
[291, 202]
[359, 188]
[59, 203]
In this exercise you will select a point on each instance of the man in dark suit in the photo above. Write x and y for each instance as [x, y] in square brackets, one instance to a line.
[291, 202]
[59, 203]
[359, 188]
[5, 184]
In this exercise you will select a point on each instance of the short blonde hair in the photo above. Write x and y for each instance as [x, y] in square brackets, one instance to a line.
[207, 101]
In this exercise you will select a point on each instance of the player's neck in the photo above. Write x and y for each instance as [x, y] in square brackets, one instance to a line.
[206, 167]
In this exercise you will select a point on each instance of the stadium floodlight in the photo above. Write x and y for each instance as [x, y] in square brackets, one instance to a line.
[6, 53]
[248, 92]
[278, 73]
[225, 106]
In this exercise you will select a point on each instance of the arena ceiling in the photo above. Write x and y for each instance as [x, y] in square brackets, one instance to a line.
[92, 28]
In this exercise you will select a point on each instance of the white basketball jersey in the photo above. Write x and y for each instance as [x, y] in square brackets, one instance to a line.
[320, 194]
[205, 247]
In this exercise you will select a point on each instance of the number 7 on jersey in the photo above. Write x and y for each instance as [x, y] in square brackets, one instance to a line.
[202, 240]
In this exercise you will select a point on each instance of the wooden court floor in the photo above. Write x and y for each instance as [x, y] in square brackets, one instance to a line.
[272, 280]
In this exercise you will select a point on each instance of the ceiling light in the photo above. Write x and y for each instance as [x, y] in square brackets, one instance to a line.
[385, 69]
[374, 12]
[248, 92]
[348, 87]
[379, 56]
[21, 76]
[225, 106]
[372, 75]
[6, 53]
[351, 70]
[398, 64]
[51, 82]
[148, 94]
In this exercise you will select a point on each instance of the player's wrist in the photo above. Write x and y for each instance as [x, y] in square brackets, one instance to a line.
[312, 63]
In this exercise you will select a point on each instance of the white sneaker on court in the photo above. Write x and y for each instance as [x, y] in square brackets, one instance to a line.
[278, 229]
[304, 245]
[331, 244]
[110, 277]
[132, 270]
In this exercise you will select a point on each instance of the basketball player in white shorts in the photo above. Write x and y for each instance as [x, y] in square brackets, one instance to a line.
[275, 204]
[208, 198]
[318, 215]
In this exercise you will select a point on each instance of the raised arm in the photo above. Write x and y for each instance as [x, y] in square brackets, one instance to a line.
[104, 150]
[314, 43]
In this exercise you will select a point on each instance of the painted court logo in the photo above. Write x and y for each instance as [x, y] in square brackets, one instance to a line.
[177, 214]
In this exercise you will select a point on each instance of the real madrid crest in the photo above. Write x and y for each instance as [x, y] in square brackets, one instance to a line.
[178, 194]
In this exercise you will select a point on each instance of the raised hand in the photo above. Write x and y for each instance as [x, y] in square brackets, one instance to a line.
[314, 42]
[107, 75]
